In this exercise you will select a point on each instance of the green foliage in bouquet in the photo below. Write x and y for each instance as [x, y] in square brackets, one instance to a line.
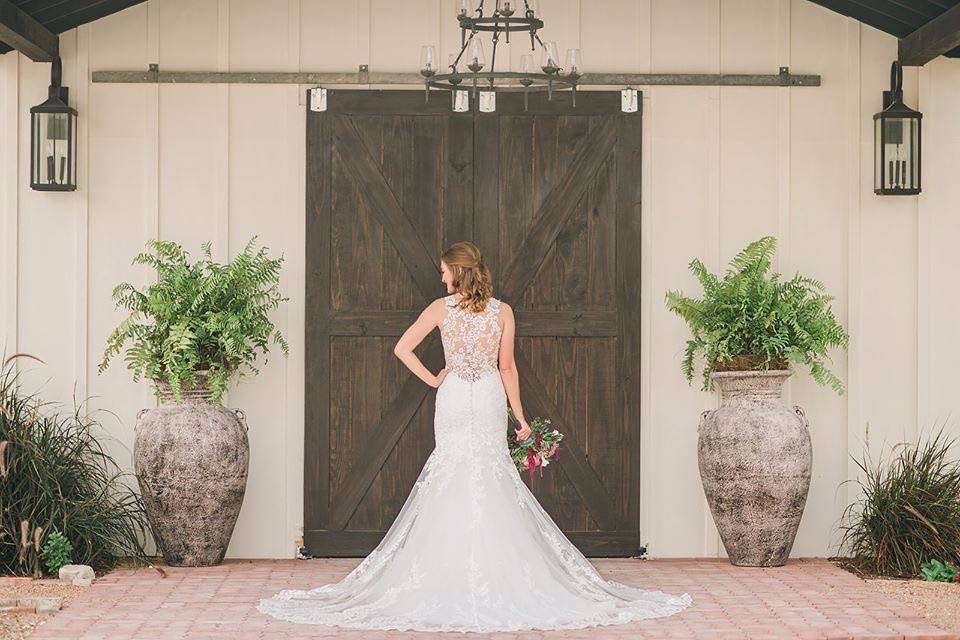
[752, 320]
[909, 509]
[56, 552]
[936, 571]
[55, 476]
[203, 316]
[540, 448]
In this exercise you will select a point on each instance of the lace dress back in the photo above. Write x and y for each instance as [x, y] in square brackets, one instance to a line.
[471, 340]
[471, 549]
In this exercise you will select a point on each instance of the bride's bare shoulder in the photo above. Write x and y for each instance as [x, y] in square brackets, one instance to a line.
[504, 311]
[437, 310]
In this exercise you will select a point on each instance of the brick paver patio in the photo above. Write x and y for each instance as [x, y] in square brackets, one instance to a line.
[807, 598]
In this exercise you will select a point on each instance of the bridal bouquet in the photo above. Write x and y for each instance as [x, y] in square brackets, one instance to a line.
[540, 448]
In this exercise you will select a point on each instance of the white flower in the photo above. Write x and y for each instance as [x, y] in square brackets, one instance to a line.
[555, 432]
[545, 462]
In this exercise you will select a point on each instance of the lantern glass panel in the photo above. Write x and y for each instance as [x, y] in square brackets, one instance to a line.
[915, 153]
[877, 167]
[898, 154]
[54, 158]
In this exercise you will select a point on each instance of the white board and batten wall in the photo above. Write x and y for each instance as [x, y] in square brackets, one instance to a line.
[722, 166]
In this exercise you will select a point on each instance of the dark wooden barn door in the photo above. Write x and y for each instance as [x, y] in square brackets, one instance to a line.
[552, 196]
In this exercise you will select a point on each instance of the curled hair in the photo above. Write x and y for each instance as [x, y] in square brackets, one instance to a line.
[471, 277]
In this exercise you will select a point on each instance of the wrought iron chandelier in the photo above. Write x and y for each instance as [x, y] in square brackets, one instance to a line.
[470, 63]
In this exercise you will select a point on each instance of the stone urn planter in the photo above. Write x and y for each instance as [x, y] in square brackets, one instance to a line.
[755, 457]
[191, 458]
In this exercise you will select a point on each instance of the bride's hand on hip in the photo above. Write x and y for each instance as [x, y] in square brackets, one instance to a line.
[439, 378]
[523, 432]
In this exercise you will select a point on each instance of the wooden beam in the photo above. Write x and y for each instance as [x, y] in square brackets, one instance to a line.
[59, 19]
[323, 543]
[927, 9]
[25, 34]
[867, 13]
[933, 39]
[782, 79]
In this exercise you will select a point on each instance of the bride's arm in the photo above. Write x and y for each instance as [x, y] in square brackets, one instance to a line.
[508, 367]
[413, 336]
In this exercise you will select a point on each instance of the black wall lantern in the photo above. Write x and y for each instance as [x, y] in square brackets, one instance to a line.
[896, 142]
[53, 139]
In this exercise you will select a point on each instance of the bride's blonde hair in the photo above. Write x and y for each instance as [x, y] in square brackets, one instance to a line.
[471, 277]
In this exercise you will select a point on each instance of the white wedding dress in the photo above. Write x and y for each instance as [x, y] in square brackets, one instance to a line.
[471, 548]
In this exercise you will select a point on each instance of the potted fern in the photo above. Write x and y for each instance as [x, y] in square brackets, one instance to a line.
[190, 332]
[749, 330]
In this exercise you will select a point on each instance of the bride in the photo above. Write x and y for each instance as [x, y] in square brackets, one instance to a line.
[471, 548]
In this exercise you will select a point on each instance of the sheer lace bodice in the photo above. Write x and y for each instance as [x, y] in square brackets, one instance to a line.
[471, 548]
[471, 340]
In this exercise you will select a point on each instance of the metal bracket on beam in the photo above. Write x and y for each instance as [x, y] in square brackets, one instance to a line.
[629, 100]
[318, 99]
[461, 101]
[487, 102]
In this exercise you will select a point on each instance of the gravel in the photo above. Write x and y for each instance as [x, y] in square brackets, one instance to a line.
[938, 601]
[19, 626]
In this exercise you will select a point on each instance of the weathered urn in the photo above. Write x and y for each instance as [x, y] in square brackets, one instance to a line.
[191, 458]
[755, 458]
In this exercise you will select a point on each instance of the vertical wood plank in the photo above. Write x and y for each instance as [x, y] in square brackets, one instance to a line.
[458, 207]
[818, 239]
[9, 205]
[647, 481]
[151, 165]
[487, 229]
[295, 280]
[629, 154]
[221, 245]
[714, 142]
[81, 94]
[317, 309]
[852, 107]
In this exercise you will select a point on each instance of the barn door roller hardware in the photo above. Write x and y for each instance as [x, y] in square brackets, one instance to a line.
[154, 75]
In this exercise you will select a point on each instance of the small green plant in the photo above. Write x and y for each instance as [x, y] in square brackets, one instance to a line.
[908, 510]
[936, 571]
[56, 552]
[203, 316]
[56, 476]
[752, 320]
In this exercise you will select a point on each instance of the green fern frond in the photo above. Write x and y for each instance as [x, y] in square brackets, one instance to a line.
[197, 316]
[751, 312]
